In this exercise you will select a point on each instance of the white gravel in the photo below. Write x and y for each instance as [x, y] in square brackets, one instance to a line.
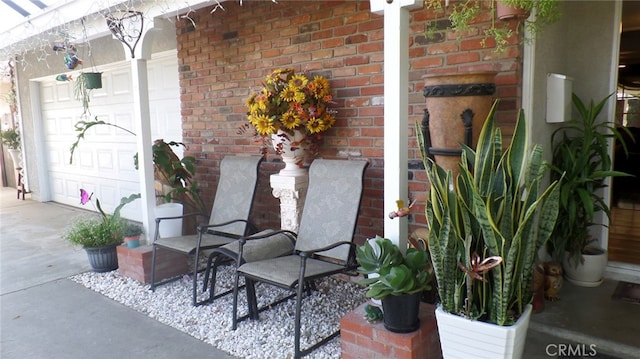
[270, 337]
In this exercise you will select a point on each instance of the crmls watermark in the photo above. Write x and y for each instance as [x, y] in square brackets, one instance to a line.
[571, 350]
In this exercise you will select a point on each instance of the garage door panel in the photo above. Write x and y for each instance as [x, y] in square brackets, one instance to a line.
[120, 83]
[47, 94]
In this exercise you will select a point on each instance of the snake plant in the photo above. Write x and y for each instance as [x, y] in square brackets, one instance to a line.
[487, 224]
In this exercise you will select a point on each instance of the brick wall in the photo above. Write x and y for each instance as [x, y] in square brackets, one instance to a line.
[227, 53]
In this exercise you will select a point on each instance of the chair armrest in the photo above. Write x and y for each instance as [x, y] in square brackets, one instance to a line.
[206, 227]
[158, 219]
[309, 253]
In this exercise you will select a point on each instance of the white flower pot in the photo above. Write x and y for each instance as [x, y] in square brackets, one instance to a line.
[463, 338]
[169, 227]
[590, 273]
[292, 157]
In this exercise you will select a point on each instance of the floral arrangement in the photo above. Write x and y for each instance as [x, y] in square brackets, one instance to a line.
[289, 102]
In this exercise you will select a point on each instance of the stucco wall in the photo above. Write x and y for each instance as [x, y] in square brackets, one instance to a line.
[589, 56]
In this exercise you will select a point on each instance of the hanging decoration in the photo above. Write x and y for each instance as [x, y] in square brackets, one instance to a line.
[71, 61]
[126, 26]
[64, 77]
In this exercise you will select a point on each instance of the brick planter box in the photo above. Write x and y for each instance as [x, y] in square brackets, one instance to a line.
[136, 263]
[360, 339]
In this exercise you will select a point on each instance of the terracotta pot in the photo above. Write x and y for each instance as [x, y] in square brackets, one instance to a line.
[506, 12]
[457, 106]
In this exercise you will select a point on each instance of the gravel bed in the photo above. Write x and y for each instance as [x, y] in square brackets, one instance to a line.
[270, 337]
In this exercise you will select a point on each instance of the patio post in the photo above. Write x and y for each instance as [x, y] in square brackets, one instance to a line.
[396, 110]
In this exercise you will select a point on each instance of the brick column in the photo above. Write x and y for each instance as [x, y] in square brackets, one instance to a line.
[363, 340]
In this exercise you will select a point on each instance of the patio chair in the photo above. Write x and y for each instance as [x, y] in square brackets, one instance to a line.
[229, 219]
[324, 243]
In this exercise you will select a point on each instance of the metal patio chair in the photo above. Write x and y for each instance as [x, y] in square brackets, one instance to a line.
[324, 243]
[229, 219]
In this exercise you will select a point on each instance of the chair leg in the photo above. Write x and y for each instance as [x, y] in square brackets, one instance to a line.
[301, 287]
[252, 301]
[195, 276]
[153, 268]
[214, 275]
[207, 272]
[234, 319]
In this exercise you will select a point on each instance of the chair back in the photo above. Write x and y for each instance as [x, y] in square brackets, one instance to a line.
[235, 193]
[331, 206]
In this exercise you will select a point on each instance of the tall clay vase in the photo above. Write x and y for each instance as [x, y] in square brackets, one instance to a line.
[456, 108]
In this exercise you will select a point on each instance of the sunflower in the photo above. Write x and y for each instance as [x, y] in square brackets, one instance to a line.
[298, 82]
[290, 120]
[264, 124]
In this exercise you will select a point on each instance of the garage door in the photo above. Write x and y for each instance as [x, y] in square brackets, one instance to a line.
[103, 162]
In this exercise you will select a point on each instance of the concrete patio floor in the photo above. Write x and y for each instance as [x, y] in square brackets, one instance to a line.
[45, 315]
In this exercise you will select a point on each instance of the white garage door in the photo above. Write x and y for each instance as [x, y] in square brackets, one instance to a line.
[103, 161]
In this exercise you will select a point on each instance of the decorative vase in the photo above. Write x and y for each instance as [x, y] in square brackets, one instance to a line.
[463, 338]
[132, 242]
[102, 259]
[291, 150]
[506, 12]
[15, 157]
[588, 273]
[456, 108]
[400, 312]
[93, 80]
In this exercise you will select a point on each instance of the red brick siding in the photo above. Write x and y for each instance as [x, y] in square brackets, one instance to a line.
[229, 52]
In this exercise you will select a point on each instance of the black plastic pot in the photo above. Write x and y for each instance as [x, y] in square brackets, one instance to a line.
[102, 259]
[401, 312]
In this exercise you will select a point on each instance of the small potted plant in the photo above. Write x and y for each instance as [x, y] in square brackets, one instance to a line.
[132, 233]
[397, 280]
[99, 236]
[464, 13]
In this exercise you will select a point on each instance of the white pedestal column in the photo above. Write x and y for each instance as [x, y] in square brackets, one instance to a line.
[291, 190]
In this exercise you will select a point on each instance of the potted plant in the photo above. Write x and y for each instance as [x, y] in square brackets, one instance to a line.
[11, 138]
[581, 157]
[461, 14]
[99, 236]
[131, 234]
[84, 83]
[399, 281]
[485, 229]
[291, 111]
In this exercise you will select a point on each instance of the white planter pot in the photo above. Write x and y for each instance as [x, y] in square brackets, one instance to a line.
[463, 338]
[169, 227]
[587, 274]
[291, 157]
